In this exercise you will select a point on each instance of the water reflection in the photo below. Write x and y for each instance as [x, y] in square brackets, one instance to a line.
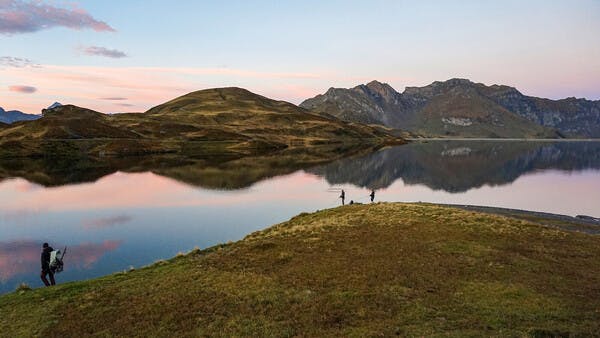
[458, 166]
[105, 222]
[453, 166]
[216, 172]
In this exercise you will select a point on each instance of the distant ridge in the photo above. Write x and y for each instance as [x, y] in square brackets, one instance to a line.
[11, 116]
[461, 108]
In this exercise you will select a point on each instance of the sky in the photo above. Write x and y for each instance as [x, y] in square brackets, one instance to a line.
[128, 56]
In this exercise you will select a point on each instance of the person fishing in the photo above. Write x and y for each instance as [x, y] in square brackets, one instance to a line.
[46, 250]
[372, 195]
[343, 196]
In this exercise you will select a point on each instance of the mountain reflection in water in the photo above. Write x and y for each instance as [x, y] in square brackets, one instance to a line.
[452, 166]
[458, 166]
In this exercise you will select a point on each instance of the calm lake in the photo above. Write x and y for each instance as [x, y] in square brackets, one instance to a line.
[118, 215]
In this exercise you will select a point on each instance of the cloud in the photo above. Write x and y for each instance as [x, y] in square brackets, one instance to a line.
[113, 98]
[22, 89]
[21, 16]
[106, 222]
[101, 51]
[85, 255]
[11, 61]
[125, 104]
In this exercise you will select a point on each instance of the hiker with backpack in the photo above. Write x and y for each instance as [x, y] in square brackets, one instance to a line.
[46, 271]
[52, 262]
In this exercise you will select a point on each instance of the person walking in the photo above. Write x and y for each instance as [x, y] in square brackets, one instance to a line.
[46, 271]
[372, 195]
[343, 196]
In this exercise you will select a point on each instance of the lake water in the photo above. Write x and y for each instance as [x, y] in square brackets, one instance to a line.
[122, 214]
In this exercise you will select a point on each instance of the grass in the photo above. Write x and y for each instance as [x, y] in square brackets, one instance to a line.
[364, 270]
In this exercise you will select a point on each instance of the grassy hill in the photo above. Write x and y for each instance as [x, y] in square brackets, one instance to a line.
[363, 270]
[222, 120]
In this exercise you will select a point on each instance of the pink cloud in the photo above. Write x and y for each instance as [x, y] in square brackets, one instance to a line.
[106, 222]
[18, 258]
[85, 255]
[25, 186]
[19, 16]
[22, 89]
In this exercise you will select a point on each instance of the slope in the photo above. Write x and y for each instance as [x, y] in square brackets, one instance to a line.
[385, 269]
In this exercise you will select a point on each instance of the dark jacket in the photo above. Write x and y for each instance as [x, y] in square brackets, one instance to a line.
[46, 258]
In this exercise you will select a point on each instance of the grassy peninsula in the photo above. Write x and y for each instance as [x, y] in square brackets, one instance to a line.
[363, 270]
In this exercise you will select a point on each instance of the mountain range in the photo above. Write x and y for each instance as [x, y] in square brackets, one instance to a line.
[8, 117]
[461, 108]
[221, 120]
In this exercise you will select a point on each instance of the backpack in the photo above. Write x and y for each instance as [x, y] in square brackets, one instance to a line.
[56, 260]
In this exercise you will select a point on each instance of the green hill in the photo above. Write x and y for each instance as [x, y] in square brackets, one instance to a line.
[239, 111]
[386, 269]
[222, 120]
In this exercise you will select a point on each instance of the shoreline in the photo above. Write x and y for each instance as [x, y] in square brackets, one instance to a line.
[549, 219]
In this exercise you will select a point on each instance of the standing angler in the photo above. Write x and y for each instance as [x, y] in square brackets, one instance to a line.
[372, 195]
[343, 196]
[46, 250]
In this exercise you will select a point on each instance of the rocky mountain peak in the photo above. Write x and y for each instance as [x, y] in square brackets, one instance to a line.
[378, 90]
[458, 82]
[379, 87]
[452, 84]
[54, 105]
[330, 91]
